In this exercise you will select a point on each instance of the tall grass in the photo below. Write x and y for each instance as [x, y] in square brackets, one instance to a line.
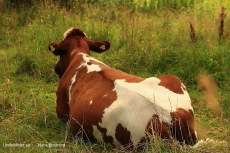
[147, 40]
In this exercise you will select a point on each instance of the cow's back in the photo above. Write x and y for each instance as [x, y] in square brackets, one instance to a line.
[120, 111]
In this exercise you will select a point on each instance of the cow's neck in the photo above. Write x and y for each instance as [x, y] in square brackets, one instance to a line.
[79, 46]
[76, 58]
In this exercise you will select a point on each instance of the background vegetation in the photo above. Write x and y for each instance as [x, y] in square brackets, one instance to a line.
[148, 37]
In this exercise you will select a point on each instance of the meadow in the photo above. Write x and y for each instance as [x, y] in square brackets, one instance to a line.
[148, 39]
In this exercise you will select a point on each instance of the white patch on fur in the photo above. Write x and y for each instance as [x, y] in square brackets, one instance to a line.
[137, 102]
[70, 87]
[97, 134]
[90, 67]
[69, 31]
[105, 95]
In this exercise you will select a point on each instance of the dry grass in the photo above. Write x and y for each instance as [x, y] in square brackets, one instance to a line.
[210, 93]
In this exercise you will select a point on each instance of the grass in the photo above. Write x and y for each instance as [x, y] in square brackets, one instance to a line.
[146, 41]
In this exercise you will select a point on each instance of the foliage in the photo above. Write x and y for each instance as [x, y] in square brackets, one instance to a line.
[147, 40]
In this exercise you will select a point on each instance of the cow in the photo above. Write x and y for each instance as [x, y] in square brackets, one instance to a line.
[106, 105]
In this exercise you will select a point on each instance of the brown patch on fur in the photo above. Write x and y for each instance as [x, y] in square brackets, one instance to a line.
[83, 91]
[157, 128]
[209, 88]
[107, 139]
[172, 83]
[89, 63]
[62, 106]
[182, 128]
[123, 136]
[113, 74]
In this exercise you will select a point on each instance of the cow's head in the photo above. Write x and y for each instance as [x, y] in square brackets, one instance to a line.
[75, 41]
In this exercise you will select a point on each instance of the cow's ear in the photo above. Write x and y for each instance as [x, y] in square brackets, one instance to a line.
[99, 46]
[54, 48]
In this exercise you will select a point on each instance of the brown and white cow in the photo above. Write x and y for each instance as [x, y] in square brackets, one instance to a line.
[107, 105]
